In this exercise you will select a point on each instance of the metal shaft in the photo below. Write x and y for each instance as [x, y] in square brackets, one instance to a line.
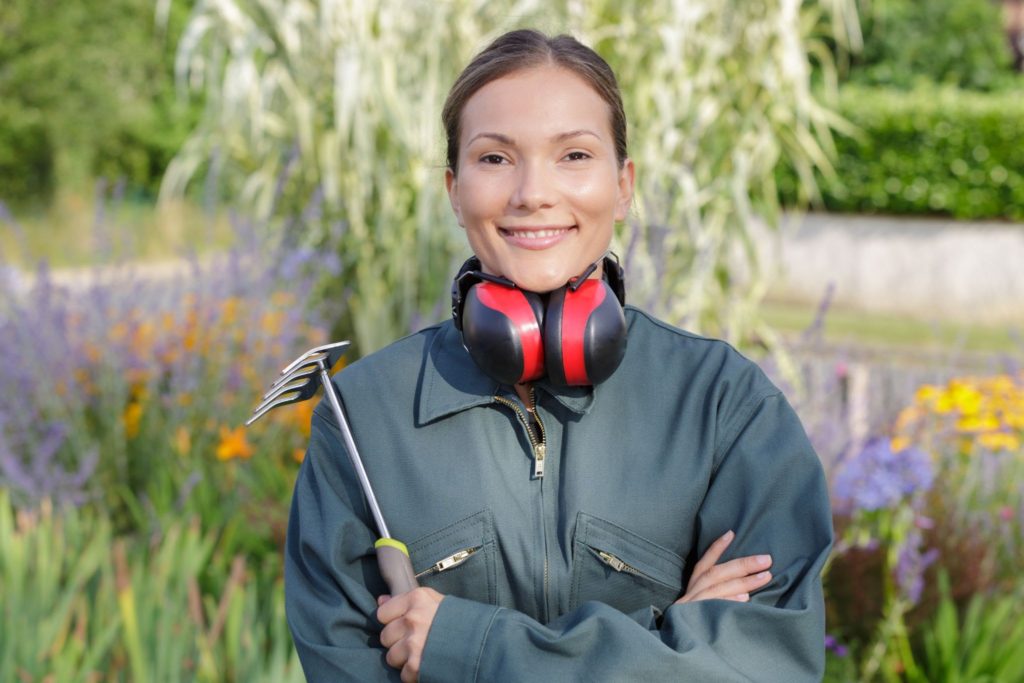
[353, 452]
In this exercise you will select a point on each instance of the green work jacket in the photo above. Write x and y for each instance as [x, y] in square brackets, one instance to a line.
[564, 569]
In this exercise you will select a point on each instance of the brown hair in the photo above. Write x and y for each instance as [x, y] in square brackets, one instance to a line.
[523, 49]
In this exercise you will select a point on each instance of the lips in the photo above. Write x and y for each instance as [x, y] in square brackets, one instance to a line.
[540, 237]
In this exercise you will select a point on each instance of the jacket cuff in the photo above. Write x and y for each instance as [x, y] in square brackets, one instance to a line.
[456, 639]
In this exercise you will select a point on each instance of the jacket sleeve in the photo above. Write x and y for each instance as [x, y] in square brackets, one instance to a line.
[769, 487]
[331, 575]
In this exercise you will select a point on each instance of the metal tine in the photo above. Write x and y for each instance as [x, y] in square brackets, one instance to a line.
[301, 394]
[336, 347]
[300, 380]
[296, 385]
[263, 409]
[309, 367]
[303, 371]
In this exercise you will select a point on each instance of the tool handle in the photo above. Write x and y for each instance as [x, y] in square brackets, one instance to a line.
[395, 566]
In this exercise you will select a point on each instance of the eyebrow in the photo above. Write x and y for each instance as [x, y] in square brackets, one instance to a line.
[561, 137]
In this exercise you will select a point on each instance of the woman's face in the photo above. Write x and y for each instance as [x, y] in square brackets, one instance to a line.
[538, 188]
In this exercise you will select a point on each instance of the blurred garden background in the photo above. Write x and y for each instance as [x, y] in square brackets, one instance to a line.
[193, 192]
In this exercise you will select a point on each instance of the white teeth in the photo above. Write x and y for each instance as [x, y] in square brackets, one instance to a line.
[538, 234]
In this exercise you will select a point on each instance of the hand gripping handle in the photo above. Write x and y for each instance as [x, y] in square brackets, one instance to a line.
[395, 566]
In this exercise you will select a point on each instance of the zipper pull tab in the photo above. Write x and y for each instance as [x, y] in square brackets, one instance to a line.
[612, 561]
[539, 453]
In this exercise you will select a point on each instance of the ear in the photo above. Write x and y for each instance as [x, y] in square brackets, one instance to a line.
[626, 180]
[451, 184]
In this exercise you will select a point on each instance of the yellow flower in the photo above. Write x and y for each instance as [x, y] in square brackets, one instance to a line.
[908, 417]
[143, 337]
[977, 423]
[965, 398]
[182, 441]
[229, 310]
[233, 444]
[271, 322]
[131, 418]
[927, 394]
[999, 441]
[899, 443]
[299, 454]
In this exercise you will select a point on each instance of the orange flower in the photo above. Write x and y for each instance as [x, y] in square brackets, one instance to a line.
[233, 444]
[132, 417]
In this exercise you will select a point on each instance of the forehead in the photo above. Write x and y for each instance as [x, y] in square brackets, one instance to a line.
[542, 101]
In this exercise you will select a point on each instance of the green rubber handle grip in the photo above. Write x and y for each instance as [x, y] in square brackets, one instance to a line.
[395, 566]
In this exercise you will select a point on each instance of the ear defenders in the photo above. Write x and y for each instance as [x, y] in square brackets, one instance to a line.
[576, 335]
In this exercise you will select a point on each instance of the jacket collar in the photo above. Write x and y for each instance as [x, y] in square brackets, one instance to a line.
[452, 382]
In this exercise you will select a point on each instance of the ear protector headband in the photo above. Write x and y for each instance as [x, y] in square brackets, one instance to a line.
[577, 336]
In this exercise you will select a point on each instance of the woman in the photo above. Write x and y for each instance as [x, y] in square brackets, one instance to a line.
[556, 529]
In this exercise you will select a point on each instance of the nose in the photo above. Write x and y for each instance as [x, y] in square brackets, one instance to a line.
[534, 187]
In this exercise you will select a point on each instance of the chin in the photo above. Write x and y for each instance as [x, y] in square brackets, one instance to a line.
[542, 282]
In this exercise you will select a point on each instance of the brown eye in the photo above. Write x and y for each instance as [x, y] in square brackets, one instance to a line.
[577, 156]
[492, 159]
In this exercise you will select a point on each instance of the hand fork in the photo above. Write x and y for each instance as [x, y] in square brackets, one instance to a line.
[298, 382]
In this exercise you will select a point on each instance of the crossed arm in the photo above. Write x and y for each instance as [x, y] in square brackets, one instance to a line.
[407, 618]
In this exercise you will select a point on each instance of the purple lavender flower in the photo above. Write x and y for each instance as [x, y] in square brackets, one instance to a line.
[43, 475]
[911, 565]
[834, 646]
[877, 478]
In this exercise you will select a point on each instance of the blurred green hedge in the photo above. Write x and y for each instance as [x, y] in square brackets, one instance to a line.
[953, 42]
[929, 150]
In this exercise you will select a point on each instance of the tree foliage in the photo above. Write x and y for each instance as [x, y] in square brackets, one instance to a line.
[949, 42]
[86, 90]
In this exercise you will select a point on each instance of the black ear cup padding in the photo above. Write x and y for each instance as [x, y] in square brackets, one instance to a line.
[604, 340]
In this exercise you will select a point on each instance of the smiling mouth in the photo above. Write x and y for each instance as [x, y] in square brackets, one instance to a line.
[532, 234]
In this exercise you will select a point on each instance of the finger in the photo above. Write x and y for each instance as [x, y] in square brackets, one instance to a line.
[381, 599]
[390, 635]
[727, 571]
[731, 590]
[714, 551]
[397, 655]
[394, 608]
[409, 675]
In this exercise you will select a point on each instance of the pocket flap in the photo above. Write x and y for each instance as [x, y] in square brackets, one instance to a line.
[657, 562]
[471, 532]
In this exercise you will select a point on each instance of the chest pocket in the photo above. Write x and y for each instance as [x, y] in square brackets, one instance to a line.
[620, 568]
[459, 559]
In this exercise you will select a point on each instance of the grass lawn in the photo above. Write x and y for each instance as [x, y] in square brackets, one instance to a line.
[855, 327]
[78, 231]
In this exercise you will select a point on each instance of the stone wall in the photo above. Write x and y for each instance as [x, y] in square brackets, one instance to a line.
[924, 268]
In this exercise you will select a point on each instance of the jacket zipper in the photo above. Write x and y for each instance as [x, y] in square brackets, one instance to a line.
[450, 562]
[617, 564]
[539, 447]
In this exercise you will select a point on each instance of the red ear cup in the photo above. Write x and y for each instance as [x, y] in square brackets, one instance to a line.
[584, 334]
[501, 329]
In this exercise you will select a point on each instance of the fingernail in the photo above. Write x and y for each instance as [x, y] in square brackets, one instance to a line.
[743, 597]
[763, 575]
[727, 536]
[764, 560]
